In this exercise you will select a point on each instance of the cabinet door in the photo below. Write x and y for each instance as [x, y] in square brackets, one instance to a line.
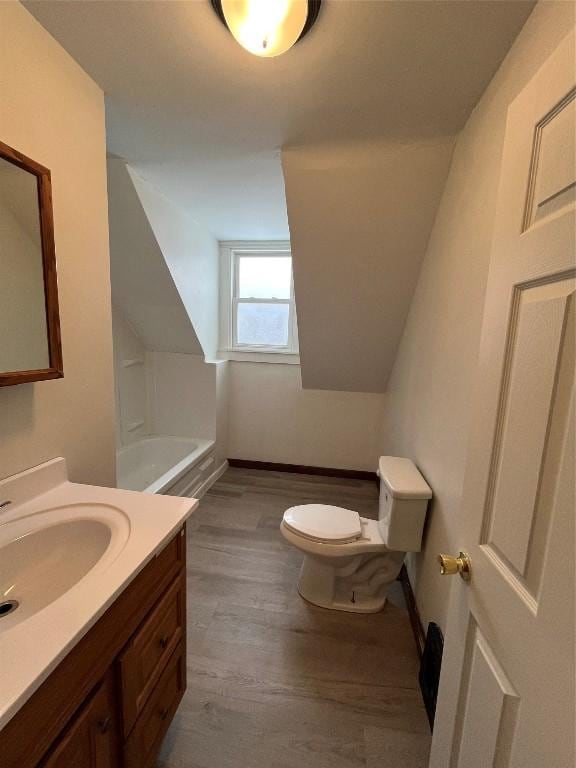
[91, 740]
[146, 737]
[147, 653]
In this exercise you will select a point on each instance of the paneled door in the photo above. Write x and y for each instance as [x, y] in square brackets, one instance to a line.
[507, 695]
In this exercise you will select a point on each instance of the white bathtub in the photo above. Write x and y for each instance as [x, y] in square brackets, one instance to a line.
[169, 465]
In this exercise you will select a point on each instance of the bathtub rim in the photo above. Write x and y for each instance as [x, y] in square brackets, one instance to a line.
[178, 470]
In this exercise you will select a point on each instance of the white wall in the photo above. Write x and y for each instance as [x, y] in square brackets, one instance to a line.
[192, 256]
[167, 393]
[54, 113]
[271, 418]
[427, 408]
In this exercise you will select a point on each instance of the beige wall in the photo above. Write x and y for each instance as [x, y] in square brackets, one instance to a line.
[271, 418]
[51, 111]
[428, 405]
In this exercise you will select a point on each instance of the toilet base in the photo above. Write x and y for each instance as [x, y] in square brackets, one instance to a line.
[356, 584]
[360, 604]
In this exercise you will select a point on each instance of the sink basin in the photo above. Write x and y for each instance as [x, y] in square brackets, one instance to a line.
[44, 555]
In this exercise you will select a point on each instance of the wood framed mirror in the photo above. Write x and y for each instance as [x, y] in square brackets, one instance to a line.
[30, 346]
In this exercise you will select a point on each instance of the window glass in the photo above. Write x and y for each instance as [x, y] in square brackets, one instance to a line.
[264, 277]
[262, 324]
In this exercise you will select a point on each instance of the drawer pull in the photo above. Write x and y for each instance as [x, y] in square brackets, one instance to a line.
[164, 713]
[104, 724]
[164, 642]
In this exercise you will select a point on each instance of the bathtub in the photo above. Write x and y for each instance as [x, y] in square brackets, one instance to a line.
[177, 466]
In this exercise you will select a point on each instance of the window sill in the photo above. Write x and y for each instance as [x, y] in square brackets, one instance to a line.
[260, 357]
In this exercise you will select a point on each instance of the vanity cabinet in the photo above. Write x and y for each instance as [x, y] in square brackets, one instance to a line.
[142, 744]
[146, 655]
[109, 703]
[92, 739]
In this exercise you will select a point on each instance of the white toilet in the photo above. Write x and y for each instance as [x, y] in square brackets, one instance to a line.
[350, 561]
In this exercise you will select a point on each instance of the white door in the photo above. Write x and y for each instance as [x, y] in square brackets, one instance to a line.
[507, 695]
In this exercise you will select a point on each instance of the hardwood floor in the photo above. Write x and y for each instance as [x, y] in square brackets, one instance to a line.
[274, 682]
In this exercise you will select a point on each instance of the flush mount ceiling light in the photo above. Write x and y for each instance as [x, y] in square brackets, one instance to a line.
[267, 27]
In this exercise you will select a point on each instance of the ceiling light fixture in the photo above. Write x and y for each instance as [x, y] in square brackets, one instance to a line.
[267, 27]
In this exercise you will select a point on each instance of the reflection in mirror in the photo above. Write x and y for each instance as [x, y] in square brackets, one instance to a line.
[30, 347]
[24, 341]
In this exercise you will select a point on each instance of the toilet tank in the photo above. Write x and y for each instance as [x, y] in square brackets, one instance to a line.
[404, 496]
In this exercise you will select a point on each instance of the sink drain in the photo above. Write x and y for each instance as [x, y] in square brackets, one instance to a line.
[7, 607]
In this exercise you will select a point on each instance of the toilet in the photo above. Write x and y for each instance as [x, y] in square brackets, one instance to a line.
[350, 561]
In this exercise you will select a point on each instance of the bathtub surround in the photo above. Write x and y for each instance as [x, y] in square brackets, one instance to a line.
[182, 394]
[171, 417]
[427, 407]
[51, 418]
[163, 393]
[188, 398]
[131, 381]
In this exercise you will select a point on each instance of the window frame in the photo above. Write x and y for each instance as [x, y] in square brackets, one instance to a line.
[231, 254]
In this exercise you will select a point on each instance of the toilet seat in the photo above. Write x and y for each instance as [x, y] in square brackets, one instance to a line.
[323, 522]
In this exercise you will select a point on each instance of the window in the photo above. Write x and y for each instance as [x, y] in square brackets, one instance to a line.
[258, 299]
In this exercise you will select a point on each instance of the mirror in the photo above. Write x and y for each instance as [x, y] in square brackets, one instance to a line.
[30, 348]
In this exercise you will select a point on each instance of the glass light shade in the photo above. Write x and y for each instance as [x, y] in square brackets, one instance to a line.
[265, 27]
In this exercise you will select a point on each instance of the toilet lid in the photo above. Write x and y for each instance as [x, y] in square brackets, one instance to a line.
[324, 522]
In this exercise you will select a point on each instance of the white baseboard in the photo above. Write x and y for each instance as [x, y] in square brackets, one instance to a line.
[209, 482]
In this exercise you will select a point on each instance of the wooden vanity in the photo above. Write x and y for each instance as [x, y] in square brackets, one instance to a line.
[109, 702]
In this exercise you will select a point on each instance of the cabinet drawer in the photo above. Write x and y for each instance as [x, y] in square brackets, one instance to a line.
[144, 741]
[145, 656]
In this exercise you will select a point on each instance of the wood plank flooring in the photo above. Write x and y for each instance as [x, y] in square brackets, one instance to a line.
[274, 682]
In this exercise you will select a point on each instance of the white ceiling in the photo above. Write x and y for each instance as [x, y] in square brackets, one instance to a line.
[204, 121]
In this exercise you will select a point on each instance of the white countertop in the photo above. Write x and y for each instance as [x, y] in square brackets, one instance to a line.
[32, 648]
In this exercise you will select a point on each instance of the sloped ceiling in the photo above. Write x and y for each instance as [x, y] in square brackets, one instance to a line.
[191, 254]
[142, 285]
[368, 102]
[204, 121]
[360, 217]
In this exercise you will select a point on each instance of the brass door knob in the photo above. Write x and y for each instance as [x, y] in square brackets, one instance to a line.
[450, 565]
